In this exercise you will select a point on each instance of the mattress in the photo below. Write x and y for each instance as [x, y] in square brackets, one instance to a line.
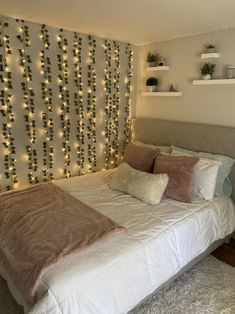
[114, 276]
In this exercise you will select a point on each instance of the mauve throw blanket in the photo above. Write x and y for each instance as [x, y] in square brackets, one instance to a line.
[41, 225]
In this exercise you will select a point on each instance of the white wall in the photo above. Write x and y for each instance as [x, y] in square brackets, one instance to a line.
[204, 104]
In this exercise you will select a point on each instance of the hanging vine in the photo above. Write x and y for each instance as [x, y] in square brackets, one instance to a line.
[78, 101]
[28, 96]
[116, 104]
[91, 105]
[47, 115]
[6, 109]
[107, 112]
[127, 123]
[63, 79]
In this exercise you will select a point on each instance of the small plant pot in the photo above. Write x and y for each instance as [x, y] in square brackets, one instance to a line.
[152, 64]
[207, 77]
[210, 50]
[152, 88]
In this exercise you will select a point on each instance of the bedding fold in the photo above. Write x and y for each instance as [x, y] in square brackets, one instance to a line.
[41, 225]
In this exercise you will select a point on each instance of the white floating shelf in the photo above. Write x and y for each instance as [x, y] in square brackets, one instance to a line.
[159, 68]
[214, 82]
[210, 55]
[157, 94]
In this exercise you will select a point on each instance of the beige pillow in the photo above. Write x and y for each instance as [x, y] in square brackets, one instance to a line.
[140, 157]
[147, 187]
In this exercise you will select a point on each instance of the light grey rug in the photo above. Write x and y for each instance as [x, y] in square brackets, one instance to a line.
[209, 288]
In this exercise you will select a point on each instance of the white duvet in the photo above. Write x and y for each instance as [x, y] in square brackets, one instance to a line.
[114, 276]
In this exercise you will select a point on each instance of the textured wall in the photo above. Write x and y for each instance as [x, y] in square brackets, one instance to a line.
[206, 104]
[65, 102]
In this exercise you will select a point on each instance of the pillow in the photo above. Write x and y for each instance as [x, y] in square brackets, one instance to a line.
[147, 187]
[140, 157]
[204, 178]
[223, 184]
[180, 172]
[163, 149]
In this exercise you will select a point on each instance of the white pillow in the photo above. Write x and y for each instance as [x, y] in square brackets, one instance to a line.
[145, 186]
[204, 177]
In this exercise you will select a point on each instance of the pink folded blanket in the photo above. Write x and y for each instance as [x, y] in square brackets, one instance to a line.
[41, 225]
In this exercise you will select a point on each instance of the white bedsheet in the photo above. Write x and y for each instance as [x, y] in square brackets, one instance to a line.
[114, 276]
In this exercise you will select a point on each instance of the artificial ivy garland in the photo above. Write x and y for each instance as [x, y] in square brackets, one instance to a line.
[78, 101]
[108, 90]
[127, 125]
[47, 115]
[7, 109]
[29, 106]
[63, 79]
[91, 105]
[116, 104]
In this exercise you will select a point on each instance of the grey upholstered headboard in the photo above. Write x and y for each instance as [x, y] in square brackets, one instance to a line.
[198, 137]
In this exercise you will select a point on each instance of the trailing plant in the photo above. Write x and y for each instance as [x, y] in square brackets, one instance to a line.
[208, 68]
[210, 46]
[153, 57]
[152, 81]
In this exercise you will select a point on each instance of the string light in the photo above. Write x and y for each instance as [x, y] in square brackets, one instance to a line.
[107, 90]
[47, 115]
[78, 101]
[28, 96]
[127, 123]
[63, 78]
[91, 105]
[83, 102]
[6, 110]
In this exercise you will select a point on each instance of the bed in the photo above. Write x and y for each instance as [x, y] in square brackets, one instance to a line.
[162, 240]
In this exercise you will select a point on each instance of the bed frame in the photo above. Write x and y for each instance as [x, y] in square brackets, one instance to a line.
[194, 136]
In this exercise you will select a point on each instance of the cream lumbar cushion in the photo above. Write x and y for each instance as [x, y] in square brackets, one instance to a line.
[145, 186]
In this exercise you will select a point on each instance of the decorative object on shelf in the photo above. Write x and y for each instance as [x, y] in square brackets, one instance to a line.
[152, 84]
[162, 62]
[210, 48]
[153, 59]
[207, 70]
[230, 71]
[172, 89]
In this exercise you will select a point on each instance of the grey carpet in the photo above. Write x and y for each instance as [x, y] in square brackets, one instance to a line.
[209, 288]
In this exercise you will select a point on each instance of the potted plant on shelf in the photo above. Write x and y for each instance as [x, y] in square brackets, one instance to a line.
[210, 48]
[152, 59]
[152, 84]
[207, 70]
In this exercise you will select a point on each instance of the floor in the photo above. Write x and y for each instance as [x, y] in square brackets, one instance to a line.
[226, 252]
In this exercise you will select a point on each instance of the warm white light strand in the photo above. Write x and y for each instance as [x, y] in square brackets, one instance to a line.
[64, 99]
[47, 115]
[78, 101]
[6, 109]
[28, 102]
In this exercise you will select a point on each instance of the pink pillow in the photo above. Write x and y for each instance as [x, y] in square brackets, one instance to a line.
[140, 157]
[180, 172]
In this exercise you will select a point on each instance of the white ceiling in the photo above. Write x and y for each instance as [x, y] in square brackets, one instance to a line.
[135, 21]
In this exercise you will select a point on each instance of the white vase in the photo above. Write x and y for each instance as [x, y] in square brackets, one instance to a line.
[152, 88]
[206, 77]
